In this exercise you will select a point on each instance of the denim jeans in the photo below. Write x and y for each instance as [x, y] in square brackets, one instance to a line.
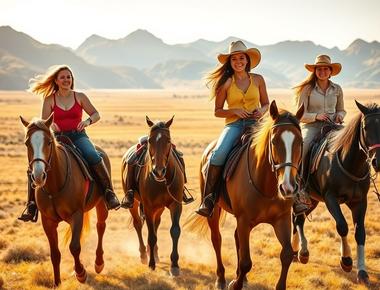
[228, 139]
[81, 141]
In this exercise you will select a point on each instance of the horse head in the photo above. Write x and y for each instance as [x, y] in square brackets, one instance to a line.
[159, 147]
[370, 133]
[285, 149]
[39, 143]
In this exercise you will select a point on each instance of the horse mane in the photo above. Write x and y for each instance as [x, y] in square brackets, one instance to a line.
[343, 139]
[37, 124]
[260, 135]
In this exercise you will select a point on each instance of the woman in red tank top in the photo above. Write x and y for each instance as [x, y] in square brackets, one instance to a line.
[57, 89]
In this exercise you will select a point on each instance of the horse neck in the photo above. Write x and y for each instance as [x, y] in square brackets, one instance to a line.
[57, 174]
[264, 179]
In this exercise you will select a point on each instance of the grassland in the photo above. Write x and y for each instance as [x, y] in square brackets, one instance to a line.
[24, 252]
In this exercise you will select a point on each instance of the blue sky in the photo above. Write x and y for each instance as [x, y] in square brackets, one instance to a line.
[70, 22]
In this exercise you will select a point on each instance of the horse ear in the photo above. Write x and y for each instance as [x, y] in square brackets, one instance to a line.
[273, 110]
[24, 122]
[148, 121]
[168, 123]
[49, 120]
[362, 108]
[300, 111]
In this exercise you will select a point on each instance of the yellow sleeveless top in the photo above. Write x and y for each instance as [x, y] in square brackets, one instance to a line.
[237, 99]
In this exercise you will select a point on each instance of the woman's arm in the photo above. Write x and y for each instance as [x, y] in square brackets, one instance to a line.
[47, 105]
[264, 99]
[89, 108]
[340, 112]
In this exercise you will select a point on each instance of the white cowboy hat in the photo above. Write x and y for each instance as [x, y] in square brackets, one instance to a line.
[324, 60]
[239, 47]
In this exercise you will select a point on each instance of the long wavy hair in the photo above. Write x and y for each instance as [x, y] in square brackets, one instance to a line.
[216, 78]
[44, 84]
[308, 83]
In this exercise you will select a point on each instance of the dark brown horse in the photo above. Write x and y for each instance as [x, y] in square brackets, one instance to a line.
[61, 195]
[160, 185]
[268, 166]
[343, 176]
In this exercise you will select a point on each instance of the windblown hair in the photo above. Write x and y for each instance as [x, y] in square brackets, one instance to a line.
[44, 84]
[216, 78]
[307, 83]
[343, 139]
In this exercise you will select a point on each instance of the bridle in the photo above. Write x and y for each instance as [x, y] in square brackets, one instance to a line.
[48, 162]
[167, 156]
[362, 142]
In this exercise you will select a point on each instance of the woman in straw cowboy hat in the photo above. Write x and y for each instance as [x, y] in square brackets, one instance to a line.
[323, 102]
[247, 100]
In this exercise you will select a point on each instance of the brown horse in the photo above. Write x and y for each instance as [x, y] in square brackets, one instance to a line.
[269, 165]
[160, 185]
[61, 195]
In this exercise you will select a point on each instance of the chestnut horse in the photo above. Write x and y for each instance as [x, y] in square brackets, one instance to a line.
[61, 195]
[160, 185]
[343, 176]
[269, 165]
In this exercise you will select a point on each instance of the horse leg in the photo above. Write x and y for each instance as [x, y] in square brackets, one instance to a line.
[342, 228]
[358, 216]
[157, 222]
[50, 228]
[138, 225]
[236, 236]
[152, 237]
[76, 225]
[282, 228]
[102, 214]
[175, 232]
[216, 238]
[299, 238]
[245, 263]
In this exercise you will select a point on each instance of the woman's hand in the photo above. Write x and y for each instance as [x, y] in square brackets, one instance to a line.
[55, 127]
[322, 117]
[241, 113]
[256, 114]
[338, 119]
[83, 125]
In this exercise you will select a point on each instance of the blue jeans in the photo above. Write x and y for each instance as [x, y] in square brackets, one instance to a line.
[81, 141]
[228, 139]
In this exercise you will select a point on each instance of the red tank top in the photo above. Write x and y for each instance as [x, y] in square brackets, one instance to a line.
[68, 120]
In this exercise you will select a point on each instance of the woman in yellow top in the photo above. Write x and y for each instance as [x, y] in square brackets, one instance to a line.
[247, 100]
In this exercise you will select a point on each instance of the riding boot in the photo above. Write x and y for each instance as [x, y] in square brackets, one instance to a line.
[104, 178]
[210, 193]
[30, 213]
[302, 203]
[131, 187]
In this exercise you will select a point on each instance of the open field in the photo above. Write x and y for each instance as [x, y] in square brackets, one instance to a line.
[24, 251]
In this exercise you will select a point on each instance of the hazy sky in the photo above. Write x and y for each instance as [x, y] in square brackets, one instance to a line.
[70, 22]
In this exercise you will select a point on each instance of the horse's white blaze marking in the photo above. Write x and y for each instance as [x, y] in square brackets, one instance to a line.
[345, 249]
[360, 257]
[158, 137]
[37, 140]
[288, 138]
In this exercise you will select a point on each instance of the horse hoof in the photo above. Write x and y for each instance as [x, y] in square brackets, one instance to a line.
[99, 268]
[303, 256]
[82, 277]
[175, 271]
[152, 267]
[144, 259]
[231, 285]
[346, 264]
[363, 278]
[220, 284]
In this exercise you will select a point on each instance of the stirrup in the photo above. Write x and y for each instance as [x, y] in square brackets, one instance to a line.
[111, 200]
[207, 207]
[26, 215]
[126, 202]
[187, 199]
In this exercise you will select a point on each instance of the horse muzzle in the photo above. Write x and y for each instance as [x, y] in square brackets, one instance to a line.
[39, 178]
[287, 190]
[159, 174]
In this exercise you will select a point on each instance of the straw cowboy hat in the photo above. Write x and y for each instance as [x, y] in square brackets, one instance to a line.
[239, 47]
[324, 60]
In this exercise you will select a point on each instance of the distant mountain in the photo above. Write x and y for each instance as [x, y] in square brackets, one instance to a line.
[141, 60]
[22, 57]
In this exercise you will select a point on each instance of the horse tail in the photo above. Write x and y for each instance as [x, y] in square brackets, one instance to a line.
[197, 224]
[84, 233]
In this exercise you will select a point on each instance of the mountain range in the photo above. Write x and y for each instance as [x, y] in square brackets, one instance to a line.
[141, 60]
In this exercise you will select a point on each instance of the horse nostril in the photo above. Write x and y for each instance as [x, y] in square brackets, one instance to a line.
[164, 171]
[44, 175]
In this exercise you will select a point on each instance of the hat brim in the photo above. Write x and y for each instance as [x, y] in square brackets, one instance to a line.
[253, 54]
[335, 67]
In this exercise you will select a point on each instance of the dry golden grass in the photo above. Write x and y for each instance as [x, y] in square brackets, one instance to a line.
[123, 121]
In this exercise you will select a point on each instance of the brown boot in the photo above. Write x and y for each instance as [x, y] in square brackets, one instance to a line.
[104, 178]
[301, 203]
[210, 194]
[30, 213]
[129, 197]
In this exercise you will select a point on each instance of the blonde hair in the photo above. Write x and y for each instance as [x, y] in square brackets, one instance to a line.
[216, 78]
[309, 82]
[44, 84]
